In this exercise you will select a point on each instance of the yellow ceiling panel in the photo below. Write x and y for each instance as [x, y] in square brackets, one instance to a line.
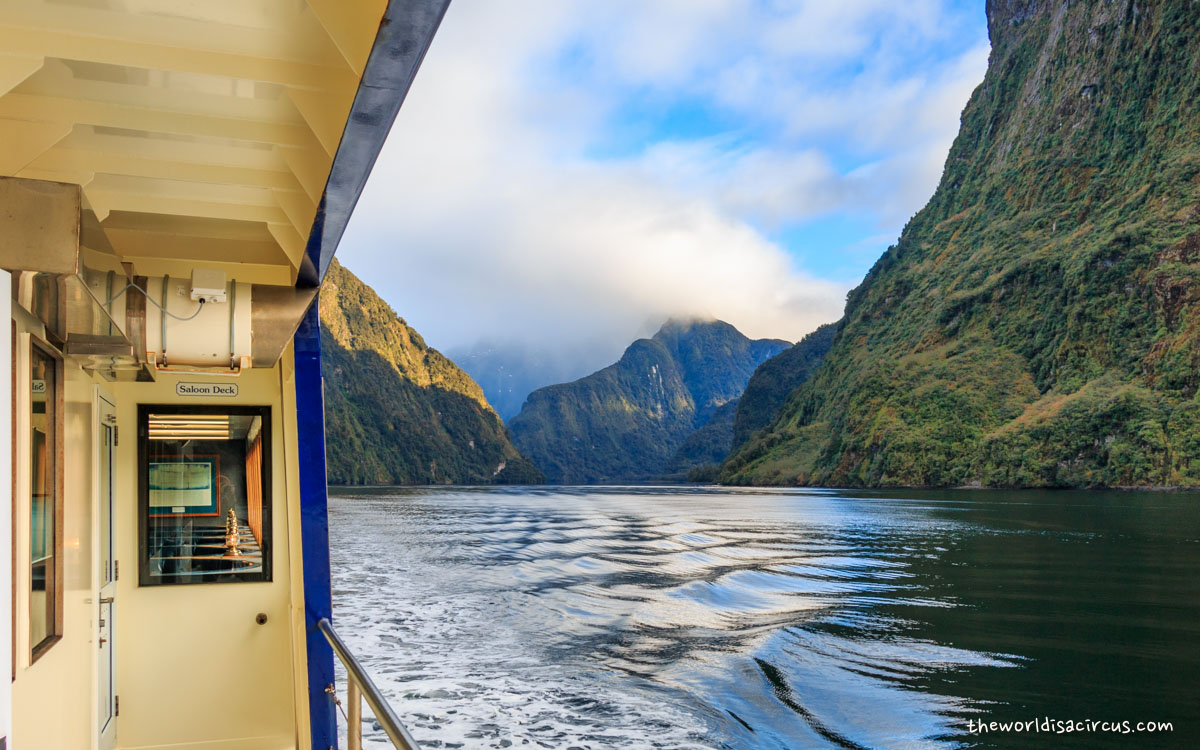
[24, 141]
[16, 68]
[186, 123]
[63, 158]
[136, 234]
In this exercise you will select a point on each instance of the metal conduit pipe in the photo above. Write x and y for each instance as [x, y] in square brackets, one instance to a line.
[232, 308]
[108, 296]
[162, 317]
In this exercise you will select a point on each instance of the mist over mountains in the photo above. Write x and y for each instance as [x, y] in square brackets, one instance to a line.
[1036, 324]
[509, 371]
[627, 421]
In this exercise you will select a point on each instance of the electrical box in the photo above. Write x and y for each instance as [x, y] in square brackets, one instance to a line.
[208, 285]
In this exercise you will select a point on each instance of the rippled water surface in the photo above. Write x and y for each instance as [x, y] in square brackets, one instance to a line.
[713, 618]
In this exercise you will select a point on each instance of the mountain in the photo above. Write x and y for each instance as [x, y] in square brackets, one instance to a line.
[509, 371]
[774, 381]
[707, 445]
[398, 412]
[625, 422]
[699, 456]
[1036, 324]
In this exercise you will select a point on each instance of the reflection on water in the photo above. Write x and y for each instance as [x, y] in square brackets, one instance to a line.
[712, 618]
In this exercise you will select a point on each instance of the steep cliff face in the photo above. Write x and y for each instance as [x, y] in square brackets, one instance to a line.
[396, 411]
[775, 380]
[1036, 322]
[625, 422]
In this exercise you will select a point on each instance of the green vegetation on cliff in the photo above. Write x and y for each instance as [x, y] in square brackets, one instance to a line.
[701, 453]
[1036, 322]
[708, 445]
[398, 412]
[775, 380]
[625, 422]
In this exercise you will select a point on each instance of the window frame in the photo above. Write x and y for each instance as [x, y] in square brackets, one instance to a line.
[54, 625]
[266, 575]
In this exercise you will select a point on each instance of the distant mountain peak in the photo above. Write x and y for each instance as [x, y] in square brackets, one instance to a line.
[684, 326]
[686, 322]
[625, 421]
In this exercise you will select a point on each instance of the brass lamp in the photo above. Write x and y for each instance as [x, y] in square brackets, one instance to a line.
[231, 535]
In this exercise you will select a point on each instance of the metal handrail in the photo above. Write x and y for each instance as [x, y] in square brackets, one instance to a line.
[358, 679]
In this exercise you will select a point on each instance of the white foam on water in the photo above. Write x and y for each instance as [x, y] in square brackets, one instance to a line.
[459, 675]
[617, 619]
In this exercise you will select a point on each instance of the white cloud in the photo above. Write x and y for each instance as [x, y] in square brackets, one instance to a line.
[486, 218]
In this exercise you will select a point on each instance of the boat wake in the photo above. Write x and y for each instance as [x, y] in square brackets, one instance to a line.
[645, 618]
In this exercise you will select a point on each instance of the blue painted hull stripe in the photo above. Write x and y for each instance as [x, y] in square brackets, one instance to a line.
[314, 527]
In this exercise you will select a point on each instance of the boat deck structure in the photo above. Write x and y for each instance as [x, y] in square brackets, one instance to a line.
[175, 177]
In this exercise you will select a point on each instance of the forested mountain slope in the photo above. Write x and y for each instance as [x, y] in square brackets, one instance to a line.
[625, 422]
[1036, 322]
[396, 411]
[775, 380]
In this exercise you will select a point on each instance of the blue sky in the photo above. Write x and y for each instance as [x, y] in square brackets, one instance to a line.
[839, 244]
[571, 170]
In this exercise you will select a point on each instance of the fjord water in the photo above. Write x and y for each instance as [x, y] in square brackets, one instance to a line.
[726, 618]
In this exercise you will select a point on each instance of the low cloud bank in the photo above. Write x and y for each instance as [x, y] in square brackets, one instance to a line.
[518, 200]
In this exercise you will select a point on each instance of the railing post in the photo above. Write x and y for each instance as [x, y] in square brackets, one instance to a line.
[353, 716]
[357, 676]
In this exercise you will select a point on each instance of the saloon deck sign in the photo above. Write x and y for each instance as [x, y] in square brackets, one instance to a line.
[228, 390]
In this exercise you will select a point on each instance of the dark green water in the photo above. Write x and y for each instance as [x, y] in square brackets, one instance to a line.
[683, 617]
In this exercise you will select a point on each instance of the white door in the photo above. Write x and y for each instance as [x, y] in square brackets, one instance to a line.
[107, 689]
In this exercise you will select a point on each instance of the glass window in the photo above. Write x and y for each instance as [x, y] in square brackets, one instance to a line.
[45, 509]
[204, 494]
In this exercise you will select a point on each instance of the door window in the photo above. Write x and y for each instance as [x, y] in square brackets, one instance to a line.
[205, 499]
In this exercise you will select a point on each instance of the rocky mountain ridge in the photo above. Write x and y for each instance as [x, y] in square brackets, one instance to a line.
[626, 421]
[1036, 324]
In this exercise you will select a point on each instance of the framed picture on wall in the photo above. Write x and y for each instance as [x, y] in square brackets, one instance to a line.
[185, 487]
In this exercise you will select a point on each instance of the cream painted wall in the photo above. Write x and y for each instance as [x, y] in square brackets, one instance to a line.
[5, 508]
[193, 665]
[194, 669]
